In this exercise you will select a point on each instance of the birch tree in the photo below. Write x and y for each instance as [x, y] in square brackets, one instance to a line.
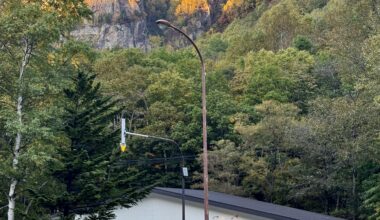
[28, 30]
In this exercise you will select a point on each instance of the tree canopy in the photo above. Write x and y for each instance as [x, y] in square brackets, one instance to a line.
[293, 96]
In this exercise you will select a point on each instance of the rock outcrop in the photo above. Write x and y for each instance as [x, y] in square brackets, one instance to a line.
[128, 23]
[115, 23]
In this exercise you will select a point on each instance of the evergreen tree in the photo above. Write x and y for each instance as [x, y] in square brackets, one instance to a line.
[90, 180]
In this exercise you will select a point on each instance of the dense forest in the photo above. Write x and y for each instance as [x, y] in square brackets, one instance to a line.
[293, 95]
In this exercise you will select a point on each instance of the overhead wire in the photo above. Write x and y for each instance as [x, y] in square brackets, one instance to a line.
[156, 160]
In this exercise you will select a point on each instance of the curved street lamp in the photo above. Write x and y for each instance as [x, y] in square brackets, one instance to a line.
[164, 23]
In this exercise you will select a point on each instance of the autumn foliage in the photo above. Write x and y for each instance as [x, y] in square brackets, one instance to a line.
[231, 4]
[189, 7]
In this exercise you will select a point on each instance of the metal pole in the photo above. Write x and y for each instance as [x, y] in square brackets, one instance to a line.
[183, 168]
[183, 191]
[204, 114]
[204, 131]
[122, 131]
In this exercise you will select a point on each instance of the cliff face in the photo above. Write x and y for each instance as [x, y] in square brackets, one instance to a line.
[115, 23]
[127, 23]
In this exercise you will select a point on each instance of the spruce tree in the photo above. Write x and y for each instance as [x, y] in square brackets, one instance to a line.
[91, 182]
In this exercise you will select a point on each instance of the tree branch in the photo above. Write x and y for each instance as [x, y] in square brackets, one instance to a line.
[3, 207]
[27, 209]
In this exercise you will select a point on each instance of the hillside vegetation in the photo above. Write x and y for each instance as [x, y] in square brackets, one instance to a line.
[293, 100]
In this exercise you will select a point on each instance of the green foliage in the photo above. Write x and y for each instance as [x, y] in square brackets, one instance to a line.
[268, 158]
[89, 182]
[215, 47]
[292, 97]
[288, 113]
[302, 43]
[238, 32]
[372, 197]
[310, 5]
[284, 76]
[28, 33]
[342, 133]
[170, 87]
[103, 214]
[280, 24]
[326, 74]
[224, 170]
[342, 28]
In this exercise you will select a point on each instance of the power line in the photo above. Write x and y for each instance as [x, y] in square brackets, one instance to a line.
[157, 160]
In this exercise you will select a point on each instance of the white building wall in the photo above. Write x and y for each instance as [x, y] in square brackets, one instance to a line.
[159, 207]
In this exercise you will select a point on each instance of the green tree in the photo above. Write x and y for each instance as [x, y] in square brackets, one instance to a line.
[342, 27]
[268, 157]
[326, 74]
[124, 75]
[372, 197]
[28, 31]
[280, 24]
[89, 179]
[284, 76]
[310, 5]
[341, 135]
[225, 174]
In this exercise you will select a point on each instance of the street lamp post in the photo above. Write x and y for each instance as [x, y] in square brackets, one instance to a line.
[184, 171]
[164, 23]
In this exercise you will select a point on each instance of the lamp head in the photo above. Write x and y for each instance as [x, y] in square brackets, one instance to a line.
[163, 24]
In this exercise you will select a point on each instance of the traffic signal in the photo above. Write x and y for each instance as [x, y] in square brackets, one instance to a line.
[123, 147]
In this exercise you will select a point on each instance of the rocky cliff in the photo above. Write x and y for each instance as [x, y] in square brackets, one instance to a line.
[115, 23]
[128, 23]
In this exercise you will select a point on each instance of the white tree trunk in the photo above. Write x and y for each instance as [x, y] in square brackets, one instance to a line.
[16, 150]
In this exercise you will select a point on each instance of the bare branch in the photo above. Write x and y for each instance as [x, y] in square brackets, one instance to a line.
[3, 207]
[27, 209]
